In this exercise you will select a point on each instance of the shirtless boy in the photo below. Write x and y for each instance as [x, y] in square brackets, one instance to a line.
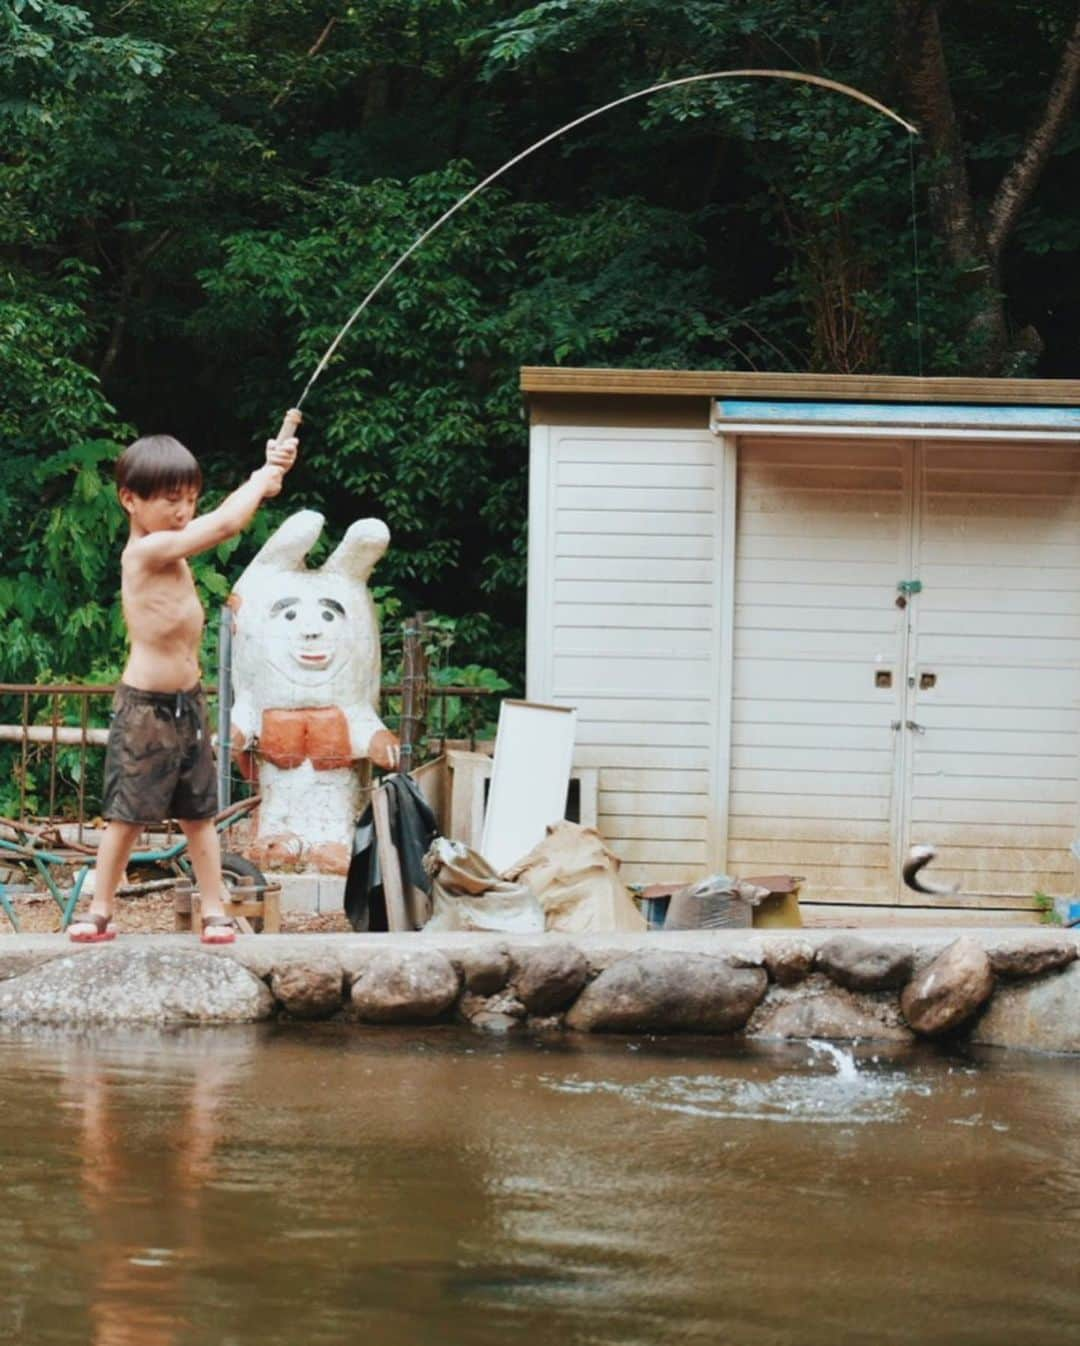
[158, 763]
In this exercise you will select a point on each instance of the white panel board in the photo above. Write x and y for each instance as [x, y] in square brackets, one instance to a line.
[534, 751]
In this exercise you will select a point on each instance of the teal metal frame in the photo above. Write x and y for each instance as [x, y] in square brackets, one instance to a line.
[43, 861]
[5, 902]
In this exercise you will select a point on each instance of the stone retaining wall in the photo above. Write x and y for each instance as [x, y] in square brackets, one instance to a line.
[1014, 988]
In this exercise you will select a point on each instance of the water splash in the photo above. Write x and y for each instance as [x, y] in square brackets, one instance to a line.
[845, 1096]
[846, 1069]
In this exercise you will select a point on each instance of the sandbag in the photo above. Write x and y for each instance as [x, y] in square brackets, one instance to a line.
[716, 903]
[576, 880]
[467, 894]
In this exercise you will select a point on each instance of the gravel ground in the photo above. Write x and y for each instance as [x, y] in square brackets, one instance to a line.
[151, 915]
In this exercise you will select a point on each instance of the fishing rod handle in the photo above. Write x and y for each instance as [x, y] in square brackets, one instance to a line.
[289, 425]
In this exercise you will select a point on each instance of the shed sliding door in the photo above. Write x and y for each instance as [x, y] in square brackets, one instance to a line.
[995, 674]
[860, 726]
[823, 535]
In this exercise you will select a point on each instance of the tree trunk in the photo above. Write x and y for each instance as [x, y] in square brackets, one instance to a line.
[974, 251]
[131, 274]
[1022, 178]
[925, 76]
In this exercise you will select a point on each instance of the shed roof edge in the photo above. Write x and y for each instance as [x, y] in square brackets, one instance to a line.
[816, 387]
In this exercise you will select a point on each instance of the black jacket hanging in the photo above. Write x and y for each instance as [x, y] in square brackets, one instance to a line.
[412, 829]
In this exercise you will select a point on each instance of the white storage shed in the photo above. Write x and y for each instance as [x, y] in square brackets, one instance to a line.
[810, 620]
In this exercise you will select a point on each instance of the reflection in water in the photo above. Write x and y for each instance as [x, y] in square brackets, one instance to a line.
[277, 1185]
[136, 1292]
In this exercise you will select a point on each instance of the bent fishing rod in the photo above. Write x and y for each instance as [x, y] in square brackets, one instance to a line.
[294, 416]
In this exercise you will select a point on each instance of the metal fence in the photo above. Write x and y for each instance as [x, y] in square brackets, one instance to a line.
[52, 738]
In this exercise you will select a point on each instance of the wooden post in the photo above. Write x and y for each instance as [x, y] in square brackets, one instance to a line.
[389, 863]
[413, 691]
[182, 905]
[224, 709]
[271, 904]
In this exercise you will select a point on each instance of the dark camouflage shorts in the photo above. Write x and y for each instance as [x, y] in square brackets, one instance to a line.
[158, 763]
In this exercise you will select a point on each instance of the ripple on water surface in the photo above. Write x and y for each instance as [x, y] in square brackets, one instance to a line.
[841, 1093]
[329, 1183]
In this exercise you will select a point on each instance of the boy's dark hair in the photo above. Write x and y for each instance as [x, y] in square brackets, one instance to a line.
[156, 464]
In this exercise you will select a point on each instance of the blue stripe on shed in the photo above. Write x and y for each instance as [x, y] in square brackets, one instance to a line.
[901, 413]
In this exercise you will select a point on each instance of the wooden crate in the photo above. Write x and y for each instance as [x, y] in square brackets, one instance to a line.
[264, 907]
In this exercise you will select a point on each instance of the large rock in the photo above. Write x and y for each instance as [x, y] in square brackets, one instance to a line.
[126, 985]
[859, 965]
[1030, 955]
[404, 987]
[312, 989]
[547, 978]
[1038, 1016]
[827, 1013]
[669, 992]
[949, 991]
[484, 968]
[13, 963]
[789, 961]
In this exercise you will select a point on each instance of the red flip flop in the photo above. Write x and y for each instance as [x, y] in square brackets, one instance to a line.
[103, 929]
[218, 930]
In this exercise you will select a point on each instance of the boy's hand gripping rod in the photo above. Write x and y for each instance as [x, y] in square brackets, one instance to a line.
[289, 425]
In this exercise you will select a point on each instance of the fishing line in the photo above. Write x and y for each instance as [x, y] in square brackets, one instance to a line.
[794, 75]
[915, 254]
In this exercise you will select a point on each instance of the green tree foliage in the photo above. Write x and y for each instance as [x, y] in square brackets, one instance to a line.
[195, 195]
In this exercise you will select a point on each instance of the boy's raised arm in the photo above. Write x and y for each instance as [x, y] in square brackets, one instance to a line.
[208, 530]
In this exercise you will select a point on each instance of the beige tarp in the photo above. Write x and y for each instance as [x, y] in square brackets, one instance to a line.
[576, 879]
[467, 894]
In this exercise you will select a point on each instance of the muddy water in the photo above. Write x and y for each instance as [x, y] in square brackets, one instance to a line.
[332, 1184]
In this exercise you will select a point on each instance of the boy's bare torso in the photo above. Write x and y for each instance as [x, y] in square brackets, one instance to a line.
[164, 618]
[162, 611]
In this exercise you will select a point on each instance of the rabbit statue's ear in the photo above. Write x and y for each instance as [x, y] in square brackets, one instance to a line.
[359, 550]
[286, 548]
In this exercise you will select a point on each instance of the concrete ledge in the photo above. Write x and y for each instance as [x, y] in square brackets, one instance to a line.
[1009, 987]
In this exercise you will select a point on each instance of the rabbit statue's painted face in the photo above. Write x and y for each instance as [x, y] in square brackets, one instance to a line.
[310, 633]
